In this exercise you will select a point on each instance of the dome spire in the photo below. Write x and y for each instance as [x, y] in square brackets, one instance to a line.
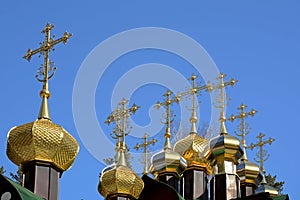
[167, 163]
[262, 158]
[46, 70]
[194, 118]
[167, 104]
[247, 171]
[145, 145]
[262, 154]
[243, 126]
[120, 180]
[222, 101]
[194, 91]
[120, 118]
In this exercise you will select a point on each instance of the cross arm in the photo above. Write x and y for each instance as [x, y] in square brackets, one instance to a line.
[30, 53]
[63, 39]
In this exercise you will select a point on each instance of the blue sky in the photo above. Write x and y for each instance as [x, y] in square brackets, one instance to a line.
[256, 42]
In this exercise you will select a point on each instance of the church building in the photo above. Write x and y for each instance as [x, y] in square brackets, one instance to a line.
[194, 168]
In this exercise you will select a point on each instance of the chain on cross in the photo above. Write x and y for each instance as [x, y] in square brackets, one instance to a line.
[145, 146]
[221, 102]
[243, 127]
[262, 154]
[167, 104]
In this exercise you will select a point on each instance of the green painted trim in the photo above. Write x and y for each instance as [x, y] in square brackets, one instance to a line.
[282, 197]
[24, 193]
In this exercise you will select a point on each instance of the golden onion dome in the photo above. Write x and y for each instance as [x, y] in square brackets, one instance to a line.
[247, 171]
[120, 180]
[42, 141]
[225, 147]
[167, 161]
[192, 148]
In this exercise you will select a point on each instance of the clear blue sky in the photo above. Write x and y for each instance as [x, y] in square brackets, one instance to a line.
[256, 42]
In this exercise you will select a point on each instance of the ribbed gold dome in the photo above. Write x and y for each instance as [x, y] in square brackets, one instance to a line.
[43, 141]
[224, 147]
[247, 171]
[192, 148]
[167, 161]
[120, 180]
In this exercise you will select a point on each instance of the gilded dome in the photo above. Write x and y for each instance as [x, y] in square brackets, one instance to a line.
[120, 180]
[192, 148]
[43, 141]
[264, 187]
[167, 161]
[247, 171]
[226, 147]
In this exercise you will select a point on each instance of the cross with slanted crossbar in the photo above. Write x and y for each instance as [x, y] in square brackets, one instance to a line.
[221, 101]
[145, 145]
[262, 154]
[44, 50]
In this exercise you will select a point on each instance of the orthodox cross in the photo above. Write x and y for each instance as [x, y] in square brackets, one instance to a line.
[120, 118]
[48, 65]
[221, 101]
[262, 154]
[167, 104]
[194, 91]
[243, 126]
[145, 145]
[44, 50]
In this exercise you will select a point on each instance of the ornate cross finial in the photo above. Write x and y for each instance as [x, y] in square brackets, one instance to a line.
[145, 145]
[48, 66]
[167, 104]
[262, 154]
[120, 118]
[222, 101]
[243, 126]
[194, 91]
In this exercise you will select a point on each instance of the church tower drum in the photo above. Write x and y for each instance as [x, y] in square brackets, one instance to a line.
[224, 151]
[193, 183]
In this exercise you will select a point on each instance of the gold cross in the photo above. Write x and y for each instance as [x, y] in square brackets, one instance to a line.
[194, 91]
[262, 154]
[222, 102]
[167, 104]
[44, 50]
[120, 118]
[243, 127]
[145, 145]
[47, 67]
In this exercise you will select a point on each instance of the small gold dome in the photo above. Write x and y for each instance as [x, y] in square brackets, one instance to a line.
[43, 141]
[248, 172]
[225, 147]
[120, 180]
[192, 148]
[264, 187]
[167, 161]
